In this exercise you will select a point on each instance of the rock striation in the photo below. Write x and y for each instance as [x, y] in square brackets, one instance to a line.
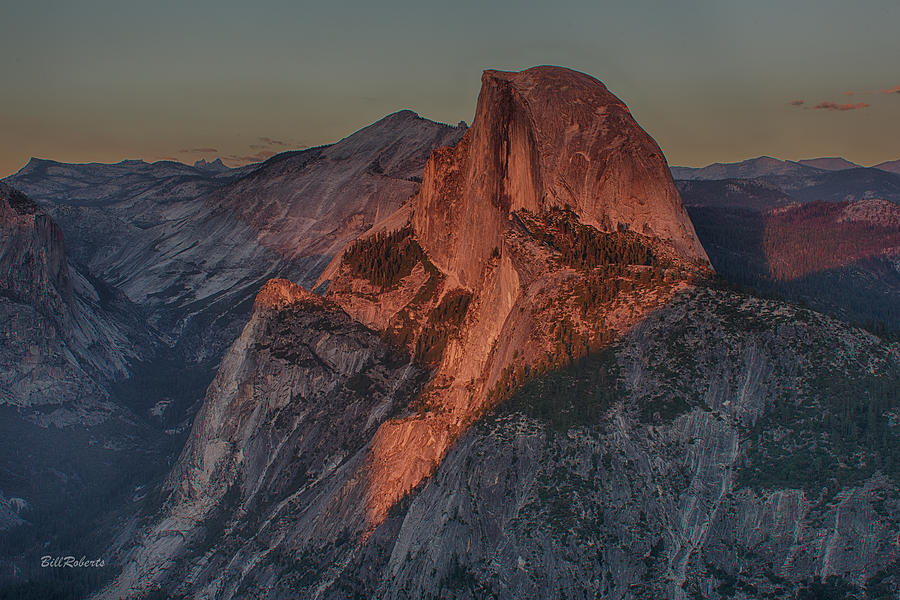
[284, 429]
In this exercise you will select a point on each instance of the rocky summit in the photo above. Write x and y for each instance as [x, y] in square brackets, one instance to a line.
[546, 138]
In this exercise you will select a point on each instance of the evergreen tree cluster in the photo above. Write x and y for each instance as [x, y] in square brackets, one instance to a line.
[604, 284]
[584, 247]
[384, 258]
[444, 321]
[846, 431]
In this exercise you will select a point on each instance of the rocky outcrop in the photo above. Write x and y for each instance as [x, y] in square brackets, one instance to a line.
[65, 337]
[526, 176]
[194, 245]
[543, 138]
[638, 473]
[108, 344]
[313, 202]
[282, 436]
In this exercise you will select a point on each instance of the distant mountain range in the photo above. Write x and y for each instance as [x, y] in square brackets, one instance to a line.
[766, 165]
[893, 166]
[760, 219]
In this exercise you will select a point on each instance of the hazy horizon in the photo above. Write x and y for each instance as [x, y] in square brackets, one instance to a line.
[101, 82]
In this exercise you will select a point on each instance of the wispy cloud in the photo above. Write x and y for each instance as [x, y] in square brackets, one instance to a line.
[841, 107]
[797, 102]
[893, 90]
[198, 150]
[263, 147]
[271, 143]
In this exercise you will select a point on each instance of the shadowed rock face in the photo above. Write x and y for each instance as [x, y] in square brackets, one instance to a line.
[282, 434]
[32, 257]
[64, 336]
[313, 203]
[546, 137]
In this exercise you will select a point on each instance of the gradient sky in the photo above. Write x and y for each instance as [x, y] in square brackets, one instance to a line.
[711, 80]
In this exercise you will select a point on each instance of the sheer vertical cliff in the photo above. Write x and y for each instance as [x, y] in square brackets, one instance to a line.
[543, 138]
[65, 337]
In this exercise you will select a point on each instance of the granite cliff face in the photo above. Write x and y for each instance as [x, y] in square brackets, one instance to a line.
[313, 202]
[65, 337]
[109, 342]
[546, 138]
[285, 426]
[553, 184]
[658, 467]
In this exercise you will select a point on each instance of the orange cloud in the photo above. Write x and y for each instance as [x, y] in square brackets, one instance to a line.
[893, 90]
[841, 107]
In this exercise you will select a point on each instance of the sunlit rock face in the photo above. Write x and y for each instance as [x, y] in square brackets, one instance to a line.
[546, 137]
[545, 141]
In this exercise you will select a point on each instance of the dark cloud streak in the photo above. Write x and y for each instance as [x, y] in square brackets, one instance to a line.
[197, 150]
[840, 107]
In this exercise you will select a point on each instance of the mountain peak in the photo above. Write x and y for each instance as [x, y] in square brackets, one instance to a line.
[547, 137]
[829, 163]
[404, 115]
[518, 231]
[216, 165]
